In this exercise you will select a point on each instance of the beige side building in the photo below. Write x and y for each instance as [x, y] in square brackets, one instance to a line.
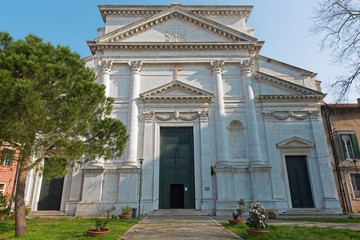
[342, 125]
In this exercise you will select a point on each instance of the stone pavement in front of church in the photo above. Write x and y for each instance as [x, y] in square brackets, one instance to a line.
[179, 227]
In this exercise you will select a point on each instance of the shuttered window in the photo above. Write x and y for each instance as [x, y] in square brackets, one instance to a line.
[355, 184]
[7, 157]
[350, 146]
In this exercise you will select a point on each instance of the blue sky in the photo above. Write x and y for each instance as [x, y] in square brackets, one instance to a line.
[284, 25]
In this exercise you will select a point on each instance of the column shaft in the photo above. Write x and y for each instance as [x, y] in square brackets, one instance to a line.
[133, 122]
[252, 126]
[220, 124]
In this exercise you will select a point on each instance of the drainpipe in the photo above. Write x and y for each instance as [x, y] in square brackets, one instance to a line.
[336, 159]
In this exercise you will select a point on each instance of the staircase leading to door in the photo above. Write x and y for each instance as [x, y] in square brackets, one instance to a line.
[47, 214]
[177, 212]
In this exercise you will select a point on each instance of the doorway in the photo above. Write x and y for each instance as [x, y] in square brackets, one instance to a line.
[176, 187]
[299, 183]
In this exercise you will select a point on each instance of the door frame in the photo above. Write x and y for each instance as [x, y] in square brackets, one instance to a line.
[307, 155]
[197, 172]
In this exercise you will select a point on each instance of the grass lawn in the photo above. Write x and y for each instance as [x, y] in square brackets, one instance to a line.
[294, 233]
[332, 220]
[65, 228]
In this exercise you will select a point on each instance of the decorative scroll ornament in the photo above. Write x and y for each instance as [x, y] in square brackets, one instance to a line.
[135, 66]
[217, 65]
[148, 116]
[246, 65]
[105, 65]
[169, 37]
[185, 116]
[299, 115]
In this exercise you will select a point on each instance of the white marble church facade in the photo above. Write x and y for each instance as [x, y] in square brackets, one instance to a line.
[254, 120]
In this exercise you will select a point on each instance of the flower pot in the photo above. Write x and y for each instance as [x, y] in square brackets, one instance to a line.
[95, 233]
[127, 216]
[271, 215]
[2, 218]
[256, 232]
[235, 221]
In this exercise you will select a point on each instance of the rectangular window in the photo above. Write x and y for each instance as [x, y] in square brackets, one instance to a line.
[355, 184]
[7, 157]
[350, 146]
[2, 188]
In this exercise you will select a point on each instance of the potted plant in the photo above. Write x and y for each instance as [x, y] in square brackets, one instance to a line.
[271, 213]
[125, 212]
[100, 230]
[238, 213]
[257, 219]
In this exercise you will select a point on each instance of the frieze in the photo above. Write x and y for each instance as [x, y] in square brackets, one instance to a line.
[176, 115]
[297, 115]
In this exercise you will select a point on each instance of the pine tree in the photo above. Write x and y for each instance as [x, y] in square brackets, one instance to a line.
[52, 110]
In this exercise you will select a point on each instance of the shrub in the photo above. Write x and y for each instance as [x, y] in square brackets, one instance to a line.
[239, 212]
[126, 210]
[257, 216]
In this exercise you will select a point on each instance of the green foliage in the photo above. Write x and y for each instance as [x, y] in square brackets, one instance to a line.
[126, 210]
[257, 216]
[100, 223]
[350, 219]
[239, 212]
[4, 207]
[50, 102]
[65, 228]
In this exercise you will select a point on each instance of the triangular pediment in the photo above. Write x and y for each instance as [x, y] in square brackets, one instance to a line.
[176, 90]
[295, 142]
[175, 25]
[277, 88]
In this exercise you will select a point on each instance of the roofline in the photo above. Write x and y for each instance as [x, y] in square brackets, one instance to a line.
[305, 72]
[158, 8]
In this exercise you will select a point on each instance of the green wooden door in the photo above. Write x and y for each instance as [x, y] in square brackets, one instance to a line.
[176, 188]
[300, 190]
[50, 194]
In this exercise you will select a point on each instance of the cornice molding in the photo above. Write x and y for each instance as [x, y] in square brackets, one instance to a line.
[174, 46]
[171, 13]
[196, 93]
[287, 97]
[144, 11]
[287, 84]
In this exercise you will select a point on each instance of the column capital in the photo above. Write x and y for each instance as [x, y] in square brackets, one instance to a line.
[135, 66]
[246, 65]
[106, 66]
[217, 66]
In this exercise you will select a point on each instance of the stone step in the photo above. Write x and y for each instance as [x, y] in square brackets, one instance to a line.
[306, 212]
[47, 214]
[177, 212]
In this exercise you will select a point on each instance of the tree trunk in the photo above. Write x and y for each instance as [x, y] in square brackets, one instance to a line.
[20, 214]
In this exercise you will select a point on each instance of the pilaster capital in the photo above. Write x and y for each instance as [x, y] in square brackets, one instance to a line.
[149, 116]
[106, 66]
[204, 116]
[217, 66]
[246, 65]
[135, 66]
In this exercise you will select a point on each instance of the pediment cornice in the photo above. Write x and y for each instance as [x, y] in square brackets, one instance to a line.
[295, 87]
[295, 142]
[190, 93]
[145, 11]
[171, 13]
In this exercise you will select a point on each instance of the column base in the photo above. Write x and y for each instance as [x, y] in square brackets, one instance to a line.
[129, 165]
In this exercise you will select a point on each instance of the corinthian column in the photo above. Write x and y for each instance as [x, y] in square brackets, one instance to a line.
[220, 125]
[252, 126]
[106, 66]
[133, 123]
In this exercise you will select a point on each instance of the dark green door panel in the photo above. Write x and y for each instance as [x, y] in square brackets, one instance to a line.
[300, 189]
[50, 194]
[176, 168]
